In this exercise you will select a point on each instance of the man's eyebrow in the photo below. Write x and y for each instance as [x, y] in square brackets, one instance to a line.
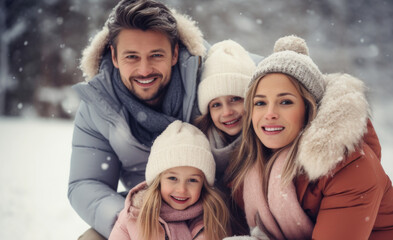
[159, 50]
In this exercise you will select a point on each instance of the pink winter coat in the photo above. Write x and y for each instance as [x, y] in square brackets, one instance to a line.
[126, 225]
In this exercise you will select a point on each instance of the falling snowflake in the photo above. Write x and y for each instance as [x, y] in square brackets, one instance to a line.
[104, 166]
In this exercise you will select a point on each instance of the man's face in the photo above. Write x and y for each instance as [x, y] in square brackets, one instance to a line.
[144, 59]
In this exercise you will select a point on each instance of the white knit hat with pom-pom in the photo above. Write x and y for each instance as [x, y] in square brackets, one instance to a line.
[291, 57]
[227, 71]
[180, 144]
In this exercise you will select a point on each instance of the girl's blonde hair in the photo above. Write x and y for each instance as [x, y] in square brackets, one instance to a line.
[216, 216]
[150, 211]
[204, 122]
[252, 151]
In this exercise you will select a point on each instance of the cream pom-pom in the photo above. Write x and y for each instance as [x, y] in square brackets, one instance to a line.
[291, 43]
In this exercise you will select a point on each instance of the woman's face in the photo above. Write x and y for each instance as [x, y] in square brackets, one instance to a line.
[278, 111]
[227, 113]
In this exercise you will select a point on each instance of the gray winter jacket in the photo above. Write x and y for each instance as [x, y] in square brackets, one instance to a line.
[104, 150]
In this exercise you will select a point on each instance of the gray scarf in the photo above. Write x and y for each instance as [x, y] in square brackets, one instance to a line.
[147, 123]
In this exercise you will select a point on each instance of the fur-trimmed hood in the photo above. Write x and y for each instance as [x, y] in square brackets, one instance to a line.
[338, 128]
[190, 35]
[134, 199]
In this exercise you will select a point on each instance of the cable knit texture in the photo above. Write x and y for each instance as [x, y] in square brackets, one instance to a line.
[291, 57]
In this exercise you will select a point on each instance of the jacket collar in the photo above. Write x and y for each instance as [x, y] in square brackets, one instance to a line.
[190, 36]
[338, 128]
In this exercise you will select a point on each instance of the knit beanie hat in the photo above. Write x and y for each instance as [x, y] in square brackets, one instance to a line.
[291, 57]
[180, 144]
[227, 71]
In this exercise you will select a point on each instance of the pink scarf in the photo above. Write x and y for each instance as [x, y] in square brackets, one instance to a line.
[177, 220]
[281, 217]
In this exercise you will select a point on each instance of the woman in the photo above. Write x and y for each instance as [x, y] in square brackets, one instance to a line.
[309, 162]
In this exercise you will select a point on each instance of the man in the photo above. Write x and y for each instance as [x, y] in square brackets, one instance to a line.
[141, 72]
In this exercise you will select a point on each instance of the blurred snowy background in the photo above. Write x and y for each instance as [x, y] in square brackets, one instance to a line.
[40, 47]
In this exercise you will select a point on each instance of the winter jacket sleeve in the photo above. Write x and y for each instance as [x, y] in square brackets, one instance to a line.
[351, 199]
[94, 174]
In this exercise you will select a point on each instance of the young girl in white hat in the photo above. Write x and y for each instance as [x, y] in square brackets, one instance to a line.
[178, 200]
[227, 71]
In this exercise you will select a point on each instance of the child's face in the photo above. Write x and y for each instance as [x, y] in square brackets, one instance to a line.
[278, 111]
[181, 186]
[227, 113]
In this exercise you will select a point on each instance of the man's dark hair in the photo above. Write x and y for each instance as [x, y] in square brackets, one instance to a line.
[143, 15]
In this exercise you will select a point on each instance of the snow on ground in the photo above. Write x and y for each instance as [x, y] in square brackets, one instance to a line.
[35, 157]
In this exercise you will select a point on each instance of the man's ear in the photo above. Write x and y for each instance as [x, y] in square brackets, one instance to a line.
[114, 59]
[175, 54]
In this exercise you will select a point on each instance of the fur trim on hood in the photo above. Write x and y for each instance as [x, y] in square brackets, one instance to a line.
[338, 128]
[190, 35]
[134, 200]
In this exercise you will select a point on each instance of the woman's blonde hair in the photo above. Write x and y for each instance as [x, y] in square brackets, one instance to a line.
[216, 216]
[252, 151]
